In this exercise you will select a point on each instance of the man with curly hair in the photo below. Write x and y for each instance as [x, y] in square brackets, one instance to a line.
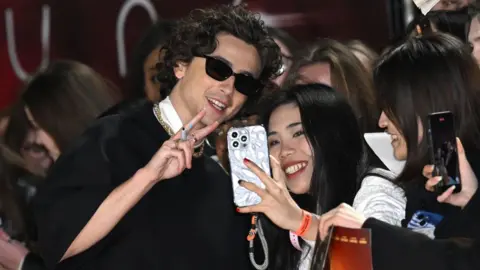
[136, 191]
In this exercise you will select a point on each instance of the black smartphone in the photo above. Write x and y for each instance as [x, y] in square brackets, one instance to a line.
[443, 150]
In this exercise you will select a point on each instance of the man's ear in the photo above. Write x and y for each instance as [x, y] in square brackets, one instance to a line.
[180, 69]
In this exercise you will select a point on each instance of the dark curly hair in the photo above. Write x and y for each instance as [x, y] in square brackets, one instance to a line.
[195, 35]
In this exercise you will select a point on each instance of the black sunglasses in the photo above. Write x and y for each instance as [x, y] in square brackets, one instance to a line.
[220, 71]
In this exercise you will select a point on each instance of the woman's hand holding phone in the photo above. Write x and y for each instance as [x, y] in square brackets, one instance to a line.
[467, 176]
[277, 204]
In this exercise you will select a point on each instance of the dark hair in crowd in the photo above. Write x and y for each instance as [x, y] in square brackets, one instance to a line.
[195, 35]
[453, 22]
[156, 37]
[12, 205]
[282, 36]
[331, 128]
[431, 73]
[66, 98]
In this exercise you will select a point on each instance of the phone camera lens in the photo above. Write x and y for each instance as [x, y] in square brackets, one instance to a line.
[235, 144]
[243, 138]
[234, 134]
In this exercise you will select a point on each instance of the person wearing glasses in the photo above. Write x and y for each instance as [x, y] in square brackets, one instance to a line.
[136, 190]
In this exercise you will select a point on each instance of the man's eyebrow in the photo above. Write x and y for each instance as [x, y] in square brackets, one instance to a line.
[218, 57]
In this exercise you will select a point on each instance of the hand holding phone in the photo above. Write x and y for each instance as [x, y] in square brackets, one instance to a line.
[443, 151]
[469, 181]
[251, 143]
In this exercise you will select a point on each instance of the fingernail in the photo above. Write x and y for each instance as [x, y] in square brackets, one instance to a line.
[240, 182]
[238, 209]
[246, 160]
[439, 179]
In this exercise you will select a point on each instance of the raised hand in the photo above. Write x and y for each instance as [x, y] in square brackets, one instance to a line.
[467, 176]
[175, 155]
[277, 204]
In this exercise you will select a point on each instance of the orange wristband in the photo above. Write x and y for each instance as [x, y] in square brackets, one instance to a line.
[305, 225]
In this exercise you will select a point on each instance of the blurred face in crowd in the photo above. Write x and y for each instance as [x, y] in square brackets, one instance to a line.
[40, 150]
[399, 144]
[220, 98]
[474, 38]
[152, 85]
[287, 62]
[319, 72]
[289, 145]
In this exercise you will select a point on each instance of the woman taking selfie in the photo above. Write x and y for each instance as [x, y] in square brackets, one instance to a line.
[316, 164]
[424, 75]
[398, 248]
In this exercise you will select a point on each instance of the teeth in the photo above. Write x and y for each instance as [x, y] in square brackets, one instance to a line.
[217, 104]
[295, 168]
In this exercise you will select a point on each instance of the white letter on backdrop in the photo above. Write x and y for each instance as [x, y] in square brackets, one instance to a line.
[120, 33]
[12, 50]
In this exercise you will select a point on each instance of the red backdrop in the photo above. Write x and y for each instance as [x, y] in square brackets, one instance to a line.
[85, 30]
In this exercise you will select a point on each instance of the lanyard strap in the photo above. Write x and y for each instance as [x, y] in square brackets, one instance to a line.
[257, 230]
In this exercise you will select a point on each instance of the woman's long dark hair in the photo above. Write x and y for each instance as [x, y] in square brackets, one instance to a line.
[331, 128]
[154, 38]
[66, 98]
[13, 203]
[426, 74]
[453, 22]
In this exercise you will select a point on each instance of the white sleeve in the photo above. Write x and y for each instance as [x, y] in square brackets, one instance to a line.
[381, 199]
[307, 255]
[311, 243]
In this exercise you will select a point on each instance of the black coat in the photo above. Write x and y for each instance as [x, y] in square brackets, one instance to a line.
[398, 248]
[188, 222]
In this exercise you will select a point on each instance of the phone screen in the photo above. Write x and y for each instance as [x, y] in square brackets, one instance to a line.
[444, 150]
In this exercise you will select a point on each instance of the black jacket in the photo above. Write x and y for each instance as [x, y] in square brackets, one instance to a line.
[398, 248]
[188, 222]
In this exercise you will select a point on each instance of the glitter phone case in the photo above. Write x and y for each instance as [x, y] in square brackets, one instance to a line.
[247, 142]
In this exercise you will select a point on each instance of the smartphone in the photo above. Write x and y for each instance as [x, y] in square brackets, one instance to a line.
[247, 142]
[443, 150]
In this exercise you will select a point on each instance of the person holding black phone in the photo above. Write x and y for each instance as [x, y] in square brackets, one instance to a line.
[398, 248]
[430, 75]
